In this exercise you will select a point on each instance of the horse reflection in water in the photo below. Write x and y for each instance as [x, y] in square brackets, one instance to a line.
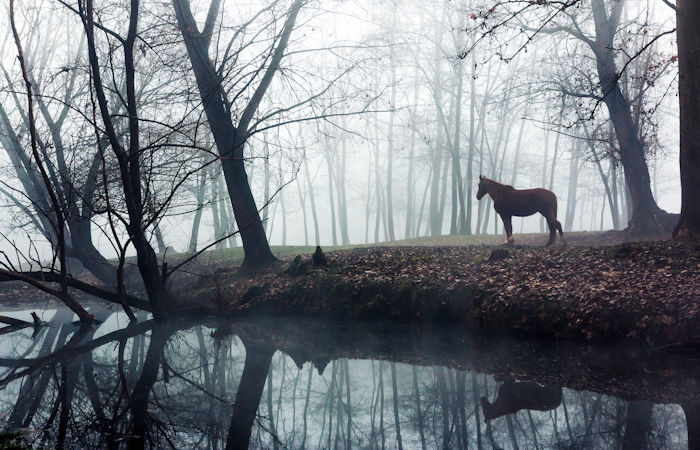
[515, 396]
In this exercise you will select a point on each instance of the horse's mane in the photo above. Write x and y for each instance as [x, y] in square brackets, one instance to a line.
[507, 186]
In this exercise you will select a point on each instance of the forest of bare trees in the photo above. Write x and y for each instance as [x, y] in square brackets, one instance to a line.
[137, 129]
[170, 171]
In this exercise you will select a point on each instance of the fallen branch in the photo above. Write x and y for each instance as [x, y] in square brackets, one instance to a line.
[36, 278]
[65, 297]
[11, 321]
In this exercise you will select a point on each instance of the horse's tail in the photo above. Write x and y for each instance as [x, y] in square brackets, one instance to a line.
[561, 232]
[556, 222]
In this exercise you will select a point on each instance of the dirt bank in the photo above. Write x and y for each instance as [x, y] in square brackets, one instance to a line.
[648, 290]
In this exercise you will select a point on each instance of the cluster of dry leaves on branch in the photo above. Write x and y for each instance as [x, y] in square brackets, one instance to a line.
[646, 290]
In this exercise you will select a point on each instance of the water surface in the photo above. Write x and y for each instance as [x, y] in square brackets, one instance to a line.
[301, 383]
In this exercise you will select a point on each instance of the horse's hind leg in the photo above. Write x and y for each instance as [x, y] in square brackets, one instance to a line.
[552, 231]
[554, 226]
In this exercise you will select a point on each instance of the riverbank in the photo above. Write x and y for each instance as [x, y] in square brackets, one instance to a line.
[595, 288]
[644, 290]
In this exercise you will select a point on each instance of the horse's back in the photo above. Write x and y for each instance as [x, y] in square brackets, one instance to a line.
[525, 202]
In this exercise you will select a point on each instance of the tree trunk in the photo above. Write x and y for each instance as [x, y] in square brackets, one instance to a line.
[647, 218]
[347, 404]
[306, 406]
[436, 156]
[342, 197]
[443, 193]
[472, 147]
[138, 400]
[687, 17]
[270, 410]
[445, 407]
[312, 200]
[329, 164]
[230, 139]
[250, 389]
[302, 204]
[544, 168]
[216, 217]
[419, 411]
[475, 399]
[692, 420]
[456, 160]
[378, 194]
[390, 150]
[410, 188]
[571, 199]
[266, 189]
[202, 177]
[395, 401]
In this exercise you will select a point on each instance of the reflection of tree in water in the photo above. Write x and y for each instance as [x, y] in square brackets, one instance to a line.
[183, 386]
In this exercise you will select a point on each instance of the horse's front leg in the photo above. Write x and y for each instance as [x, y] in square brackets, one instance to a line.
[508, 225]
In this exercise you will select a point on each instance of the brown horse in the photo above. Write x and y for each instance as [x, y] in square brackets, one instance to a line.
[509, 202]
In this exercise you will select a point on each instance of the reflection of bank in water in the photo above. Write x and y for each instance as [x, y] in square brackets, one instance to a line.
[217, 385]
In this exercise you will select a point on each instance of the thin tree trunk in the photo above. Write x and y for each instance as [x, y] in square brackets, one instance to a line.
[266, 188]
[436, 156]
[329, 164]
[348, 444]
[445, 407]
[284, 218]
[390, 148]
[381, 403]
[456, 160]
[302, 203]
[422, 205]
[395, 401]
[410, 188]
[342, 198]
[472, 147]
[443, 194]
[225, 221]
[270, 411]
[511, 432]
[215, 212]
[201, 185]
[419, 411]
[378, 196]
[306, 406]
[572, 197]
[460, 380]
[312, 199]
[477, 419]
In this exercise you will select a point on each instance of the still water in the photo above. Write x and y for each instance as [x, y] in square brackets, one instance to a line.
[300, 383]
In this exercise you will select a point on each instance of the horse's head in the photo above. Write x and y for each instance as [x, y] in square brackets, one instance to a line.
[482, 187]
